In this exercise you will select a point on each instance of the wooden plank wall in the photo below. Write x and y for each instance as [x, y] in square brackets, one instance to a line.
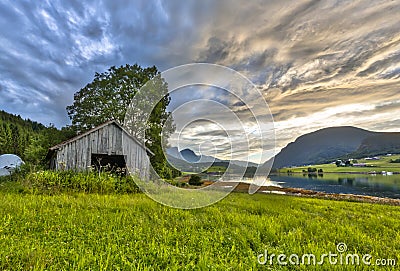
[136, 157]
[109, 140]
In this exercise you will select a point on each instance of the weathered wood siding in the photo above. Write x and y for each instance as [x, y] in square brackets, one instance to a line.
[133, 153]
[110, 140]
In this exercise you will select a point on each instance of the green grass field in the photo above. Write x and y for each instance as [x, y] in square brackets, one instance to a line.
[373, 165]
[216, 169]
[77, 231]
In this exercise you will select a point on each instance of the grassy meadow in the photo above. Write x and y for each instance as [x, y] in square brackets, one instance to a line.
[54, 226]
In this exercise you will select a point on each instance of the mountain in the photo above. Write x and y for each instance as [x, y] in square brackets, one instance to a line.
[378, 144]
[188, 159]
[190, 156]
[28, 139]
[321, 146]
[16, 133]
[18, 121]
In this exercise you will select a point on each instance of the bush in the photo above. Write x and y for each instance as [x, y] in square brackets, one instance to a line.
[177, 183]
[195, 180]
[311, 170]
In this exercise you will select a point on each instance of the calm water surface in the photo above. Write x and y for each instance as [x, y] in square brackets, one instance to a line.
[360, 184]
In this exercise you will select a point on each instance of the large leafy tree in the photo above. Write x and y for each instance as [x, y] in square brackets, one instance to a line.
[109, 96]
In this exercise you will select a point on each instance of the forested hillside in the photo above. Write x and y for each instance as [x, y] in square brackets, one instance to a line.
[28, 139]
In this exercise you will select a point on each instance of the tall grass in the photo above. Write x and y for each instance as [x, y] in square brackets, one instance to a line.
[55, 182]
[86, 221]
[132, 232]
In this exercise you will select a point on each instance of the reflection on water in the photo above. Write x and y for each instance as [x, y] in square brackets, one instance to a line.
[373, 185]
[260, 181]
[313, 175]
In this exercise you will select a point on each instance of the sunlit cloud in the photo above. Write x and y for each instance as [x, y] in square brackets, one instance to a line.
[318, 63]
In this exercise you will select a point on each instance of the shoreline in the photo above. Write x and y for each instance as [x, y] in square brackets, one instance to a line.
[337, 172]
[341, 196]
[299, 192]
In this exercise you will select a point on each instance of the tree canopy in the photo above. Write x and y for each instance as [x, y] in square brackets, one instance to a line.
[109, 96]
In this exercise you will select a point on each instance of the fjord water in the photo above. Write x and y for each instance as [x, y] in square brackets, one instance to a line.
[358, 184]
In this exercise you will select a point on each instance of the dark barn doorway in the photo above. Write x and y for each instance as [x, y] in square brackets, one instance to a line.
[112, 163]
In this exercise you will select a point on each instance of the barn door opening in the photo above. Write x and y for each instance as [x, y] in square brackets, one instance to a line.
[113, 163]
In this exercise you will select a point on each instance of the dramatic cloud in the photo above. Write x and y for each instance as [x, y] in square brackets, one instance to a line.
[318, 63]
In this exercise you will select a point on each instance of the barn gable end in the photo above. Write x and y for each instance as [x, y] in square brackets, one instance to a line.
[104, 143]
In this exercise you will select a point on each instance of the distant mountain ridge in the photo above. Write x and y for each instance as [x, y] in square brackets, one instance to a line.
[322, 146]
[380, 143]
[188, 156]
[328, 144]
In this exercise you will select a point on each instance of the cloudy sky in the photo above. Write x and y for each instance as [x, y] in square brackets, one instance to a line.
[318, 63]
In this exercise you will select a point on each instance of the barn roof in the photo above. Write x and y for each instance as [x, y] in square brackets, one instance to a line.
[60, 145]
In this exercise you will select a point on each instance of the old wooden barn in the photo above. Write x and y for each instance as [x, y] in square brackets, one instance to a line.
[108, 145]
